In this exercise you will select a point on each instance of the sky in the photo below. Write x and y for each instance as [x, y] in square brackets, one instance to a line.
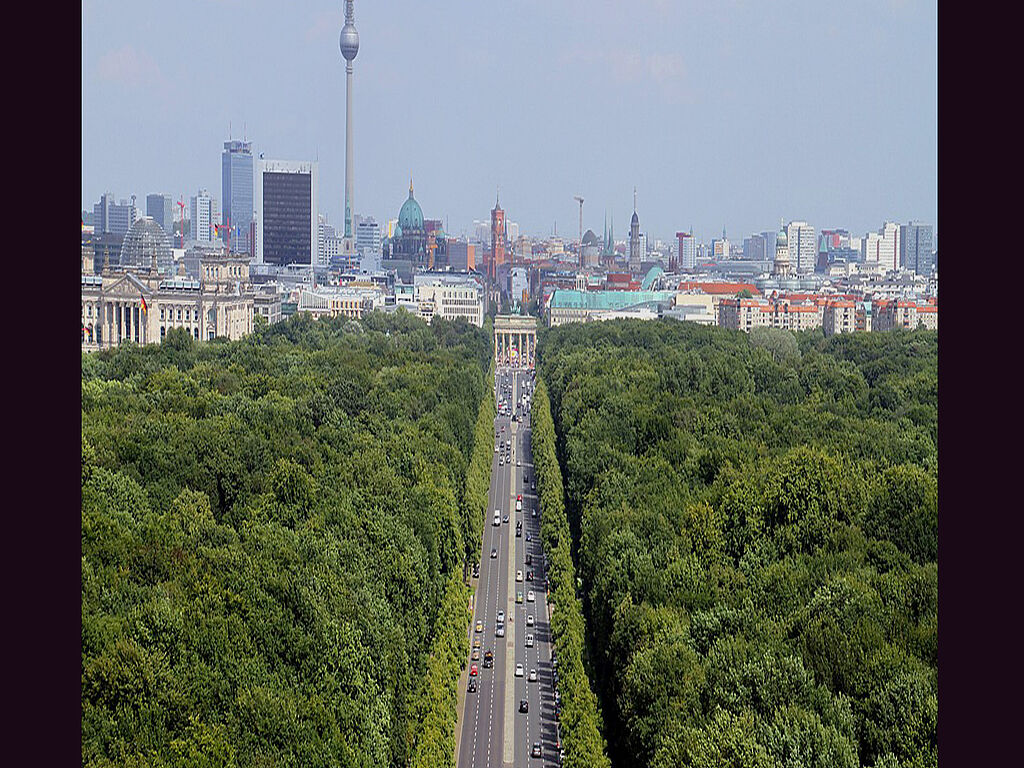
[729, 114]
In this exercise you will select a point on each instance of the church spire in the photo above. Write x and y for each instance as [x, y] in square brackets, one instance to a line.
[634, 199]
[410, 185]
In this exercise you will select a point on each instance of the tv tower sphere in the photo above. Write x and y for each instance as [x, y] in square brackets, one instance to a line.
[349, 42]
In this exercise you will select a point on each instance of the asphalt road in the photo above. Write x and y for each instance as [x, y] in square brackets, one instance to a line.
[494, 732]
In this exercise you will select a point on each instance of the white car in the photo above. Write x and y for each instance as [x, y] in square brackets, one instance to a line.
[519, 576]
[533, 676]
[529, 640]
[529, 620]
[519, 670]
[501, 617]
[529, 595]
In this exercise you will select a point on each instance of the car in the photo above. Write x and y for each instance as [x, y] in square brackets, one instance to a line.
[519, 462]
[529, 620]
[533, 486]
[475, 655]
[529, 559]
[500, 631]
[529, 537]
[504, 519]
[524, 705]
[501, 462]
[479, 626]
[476, 642]
[519, 670]
[533, 676]
[533, 512]
[519, 497]
[496, 449]
[476, 570]
[488, 659]
[529, 575]
[471, 688]
[529, 596]
[494, 553]
[501, 617]
[519, 533]
[519, 575]
[526, 478]
[535, 752]
[519, 524]
[529, 640]
[519, 596]
[473, 670]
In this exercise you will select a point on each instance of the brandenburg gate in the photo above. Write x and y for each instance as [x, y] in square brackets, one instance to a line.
[515, 341]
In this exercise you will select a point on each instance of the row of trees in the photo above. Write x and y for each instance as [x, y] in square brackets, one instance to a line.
[436, 712]
[580, 719]
[274, 532]
[755, 522]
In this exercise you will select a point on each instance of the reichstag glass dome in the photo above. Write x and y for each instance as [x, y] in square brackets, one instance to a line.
[147, 244]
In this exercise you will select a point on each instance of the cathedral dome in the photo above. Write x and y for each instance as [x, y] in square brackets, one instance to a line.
[410, 218]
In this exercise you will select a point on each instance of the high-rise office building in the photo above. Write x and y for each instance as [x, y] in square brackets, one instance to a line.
[205, 211]
[368, 239]
[160, 208]
[114, 218]
[753, 248]
[803, 246]
[327, 242]
[882, 247]
[236, 163]
[687, 255]
[916, 247]
[769, 243]
[286, 212]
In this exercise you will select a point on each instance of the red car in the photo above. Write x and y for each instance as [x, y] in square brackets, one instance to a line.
[519, 497]
[472, 670]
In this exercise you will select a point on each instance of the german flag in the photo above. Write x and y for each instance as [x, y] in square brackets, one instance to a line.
[145, 306]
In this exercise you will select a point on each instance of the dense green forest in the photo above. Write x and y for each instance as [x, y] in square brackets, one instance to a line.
[755, 526]
[274, 532]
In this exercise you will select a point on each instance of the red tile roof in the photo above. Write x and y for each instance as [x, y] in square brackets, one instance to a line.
[717, 289]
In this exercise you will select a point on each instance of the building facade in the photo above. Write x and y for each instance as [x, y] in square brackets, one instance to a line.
[286, 212]
[141, 306]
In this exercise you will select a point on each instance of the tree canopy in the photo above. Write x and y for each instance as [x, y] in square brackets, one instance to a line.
[274, 532]
[755, 527]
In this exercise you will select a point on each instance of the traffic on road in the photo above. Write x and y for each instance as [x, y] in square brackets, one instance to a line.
[510, 714]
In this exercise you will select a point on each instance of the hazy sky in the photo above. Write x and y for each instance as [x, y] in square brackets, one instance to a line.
[723, 113]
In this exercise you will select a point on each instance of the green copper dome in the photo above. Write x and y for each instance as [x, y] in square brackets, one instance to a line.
[410, 218]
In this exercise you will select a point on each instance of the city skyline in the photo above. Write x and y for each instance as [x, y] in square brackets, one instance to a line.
[726, 116]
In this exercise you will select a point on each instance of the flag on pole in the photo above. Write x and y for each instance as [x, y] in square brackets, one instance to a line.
[145, 306]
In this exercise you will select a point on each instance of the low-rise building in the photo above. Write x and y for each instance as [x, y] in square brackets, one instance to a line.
[450, 297]
[346, 301]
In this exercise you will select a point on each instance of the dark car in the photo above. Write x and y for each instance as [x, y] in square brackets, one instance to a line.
[488, 659]
[529, 537]
[476, 570]
[529, 559]
[494, 553]
[504, 519]
[519, 533]
[529, 575]
[535, 752]
[524, 705]
[471, 688]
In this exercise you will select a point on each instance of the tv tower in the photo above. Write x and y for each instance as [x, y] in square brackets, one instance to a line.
[349, 44]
